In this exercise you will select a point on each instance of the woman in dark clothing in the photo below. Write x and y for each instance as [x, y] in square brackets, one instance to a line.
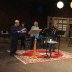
[23, 31]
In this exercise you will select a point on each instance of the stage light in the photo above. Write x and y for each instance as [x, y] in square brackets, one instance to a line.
[71, 4]
[60, 4]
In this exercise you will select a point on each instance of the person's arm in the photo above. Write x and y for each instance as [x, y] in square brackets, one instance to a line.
[32, 27]
[38, 27]
[24, 30]
[14, 30]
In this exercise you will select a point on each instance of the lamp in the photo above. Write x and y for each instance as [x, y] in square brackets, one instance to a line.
[60, 4]
[71, 4]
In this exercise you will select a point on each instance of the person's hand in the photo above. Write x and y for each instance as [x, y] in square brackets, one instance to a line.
[18, 31]
[23, 31]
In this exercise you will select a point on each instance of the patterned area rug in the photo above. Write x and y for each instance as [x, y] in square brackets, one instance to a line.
[30, 57]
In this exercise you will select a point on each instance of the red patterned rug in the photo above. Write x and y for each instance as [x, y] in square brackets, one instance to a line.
[39, 56]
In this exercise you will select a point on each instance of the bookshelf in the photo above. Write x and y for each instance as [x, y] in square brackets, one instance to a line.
[70, 27]
[64, 24]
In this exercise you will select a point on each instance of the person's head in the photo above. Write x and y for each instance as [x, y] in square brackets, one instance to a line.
[36, 23]
[17, 22]
[55, 25]
[22, 24]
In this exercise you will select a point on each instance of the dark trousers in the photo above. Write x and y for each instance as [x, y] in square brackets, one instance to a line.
[32, 42]
[38, 43]
[22, 42]
[14, 42]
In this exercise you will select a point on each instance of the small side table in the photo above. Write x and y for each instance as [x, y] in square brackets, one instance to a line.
[4, 35]
[52, 43]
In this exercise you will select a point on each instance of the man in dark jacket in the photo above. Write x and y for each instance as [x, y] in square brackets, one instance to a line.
[54, 35]
[14, 38]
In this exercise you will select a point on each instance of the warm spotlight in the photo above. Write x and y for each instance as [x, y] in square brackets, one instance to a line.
[71, 4]
[60, 4]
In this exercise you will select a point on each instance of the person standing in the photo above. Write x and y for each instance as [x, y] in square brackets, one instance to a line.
[34, 27]
[22, 35]
[14, 38]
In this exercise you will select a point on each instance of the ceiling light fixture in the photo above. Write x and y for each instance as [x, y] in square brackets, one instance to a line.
[71, 4]
[60, 4]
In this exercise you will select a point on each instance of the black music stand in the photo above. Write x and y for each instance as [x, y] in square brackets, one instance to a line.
[59, 33]
[46, 31]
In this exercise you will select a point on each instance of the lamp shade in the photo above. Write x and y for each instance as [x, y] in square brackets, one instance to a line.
[60, 4]
[71, 4]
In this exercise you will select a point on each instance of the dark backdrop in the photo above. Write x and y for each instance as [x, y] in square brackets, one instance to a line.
[31, 10]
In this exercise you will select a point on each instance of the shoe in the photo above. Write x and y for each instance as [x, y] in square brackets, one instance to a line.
[11, 54]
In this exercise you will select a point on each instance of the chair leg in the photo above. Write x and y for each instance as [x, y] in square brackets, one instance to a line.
[69, 43]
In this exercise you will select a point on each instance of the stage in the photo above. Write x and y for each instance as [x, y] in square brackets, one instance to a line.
[26, 56]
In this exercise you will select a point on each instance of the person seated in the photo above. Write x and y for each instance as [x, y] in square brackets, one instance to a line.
[54, 35]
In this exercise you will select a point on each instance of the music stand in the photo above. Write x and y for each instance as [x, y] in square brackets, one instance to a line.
[59, 33]
[46, 31]
[35, 41]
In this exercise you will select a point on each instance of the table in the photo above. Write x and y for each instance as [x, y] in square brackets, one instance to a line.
[4, 35]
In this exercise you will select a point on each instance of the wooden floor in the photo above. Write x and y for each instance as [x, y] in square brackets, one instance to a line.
[11, 64]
